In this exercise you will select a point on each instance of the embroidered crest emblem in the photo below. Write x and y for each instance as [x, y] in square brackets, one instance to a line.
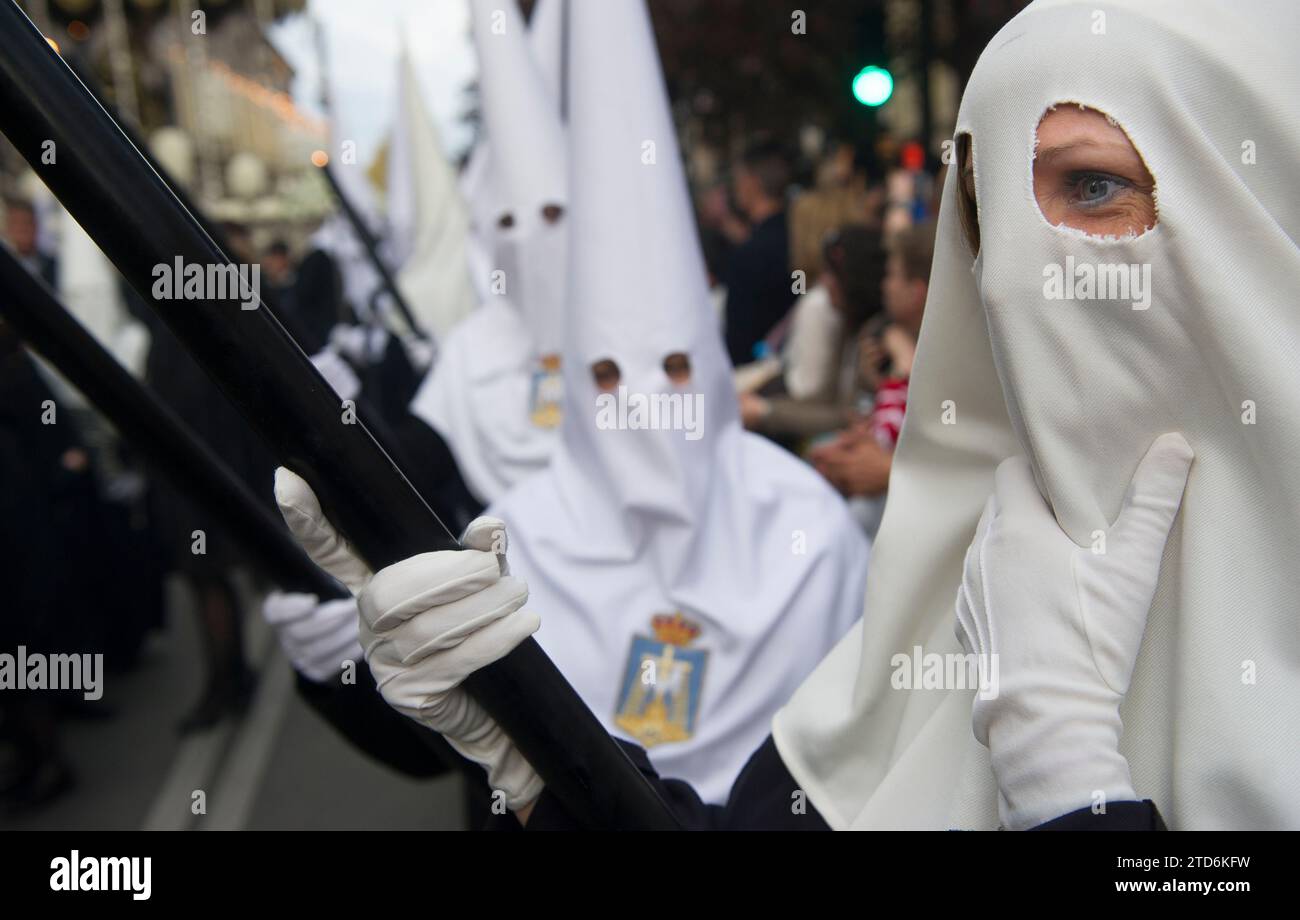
[547, 393]
[660, 695]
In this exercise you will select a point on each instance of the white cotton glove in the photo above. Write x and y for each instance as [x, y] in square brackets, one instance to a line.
[426, 624]
[1065, 624]
[316, 638]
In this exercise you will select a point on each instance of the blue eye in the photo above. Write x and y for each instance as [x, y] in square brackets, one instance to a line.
[1090, 189]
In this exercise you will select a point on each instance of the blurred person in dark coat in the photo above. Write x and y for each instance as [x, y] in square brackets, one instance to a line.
[759, 288]
[43, 469]
[20, 234]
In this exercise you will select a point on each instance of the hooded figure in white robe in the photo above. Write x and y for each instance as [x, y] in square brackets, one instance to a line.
[688, 574]
[1081, 383]
[495, 392]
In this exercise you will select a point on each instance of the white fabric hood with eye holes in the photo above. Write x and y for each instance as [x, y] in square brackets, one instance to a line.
[527, 168]
[480, 183]
[488, 395]
[1206, 92]
[755, 552]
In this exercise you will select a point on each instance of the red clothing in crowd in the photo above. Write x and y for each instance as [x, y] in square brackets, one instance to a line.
[886, 419]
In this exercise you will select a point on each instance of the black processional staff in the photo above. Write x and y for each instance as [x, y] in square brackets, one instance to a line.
[368, 242]
[103, 181]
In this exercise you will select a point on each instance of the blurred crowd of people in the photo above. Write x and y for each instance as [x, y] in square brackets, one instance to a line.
[822, 291]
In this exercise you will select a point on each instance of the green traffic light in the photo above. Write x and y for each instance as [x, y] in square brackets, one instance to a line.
[873, 86]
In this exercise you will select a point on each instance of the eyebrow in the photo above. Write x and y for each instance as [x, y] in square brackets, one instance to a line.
[1048, 154]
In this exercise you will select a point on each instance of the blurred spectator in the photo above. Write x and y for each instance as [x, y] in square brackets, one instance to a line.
[277, 266]
[716, 251]
[278, 277]
[21, 234]
[718, 216]
[759, 289]
[909, 191]
[857, 462]
[316, 305]
[240, 242]
[851, 284]
[43, 468]
[839, 198]
[813, 332]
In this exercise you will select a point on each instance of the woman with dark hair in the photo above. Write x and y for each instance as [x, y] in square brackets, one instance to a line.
[853, 269]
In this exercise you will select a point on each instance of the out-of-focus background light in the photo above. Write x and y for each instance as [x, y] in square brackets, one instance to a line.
[873, 85]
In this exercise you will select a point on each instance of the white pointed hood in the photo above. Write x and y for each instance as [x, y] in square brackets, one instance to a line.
[527, 171]
[638, 283]
[480, 181]
[546, 34]
[695, 517]
[1082, 387]
[495, 393]
[427, 215]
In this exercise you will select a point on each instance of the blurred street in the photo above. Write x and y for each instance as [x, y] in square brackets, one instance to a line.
[278, 768]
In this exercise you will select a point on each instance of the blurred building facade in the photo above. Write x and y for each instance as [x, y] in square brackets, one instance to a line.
[206, 89]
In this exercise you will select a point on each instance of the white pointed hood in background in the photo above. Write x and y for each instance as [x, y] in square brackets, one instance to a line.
[1082, 388]
[427, 216]
[521, 118]
[546, 36]
[748, 544]
[480, 183]
[491, 395]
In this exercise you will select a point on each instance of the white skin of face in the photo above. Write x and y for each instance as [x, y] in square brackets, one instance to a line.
[1087, 175]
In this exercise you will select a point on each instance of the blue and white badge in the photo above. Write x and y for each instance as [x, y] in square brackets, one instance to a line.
[660, 695]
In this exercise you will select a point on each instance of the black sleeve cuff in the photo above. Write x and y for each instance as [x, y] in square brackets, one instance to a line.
[1119, 816]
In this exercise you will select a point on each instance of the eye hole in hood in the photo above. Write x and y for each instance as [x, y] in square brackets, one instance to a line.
[606, 374]
[677, 366]
[1088, 176]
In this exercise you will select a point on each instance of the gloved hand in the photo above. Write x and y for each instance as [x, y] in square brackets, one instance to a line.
[427, 623]
[1065, 624]
[316, 638]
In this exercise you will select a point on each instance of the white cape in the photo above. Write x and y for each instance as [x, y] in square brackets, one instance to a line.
[1082, 388]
